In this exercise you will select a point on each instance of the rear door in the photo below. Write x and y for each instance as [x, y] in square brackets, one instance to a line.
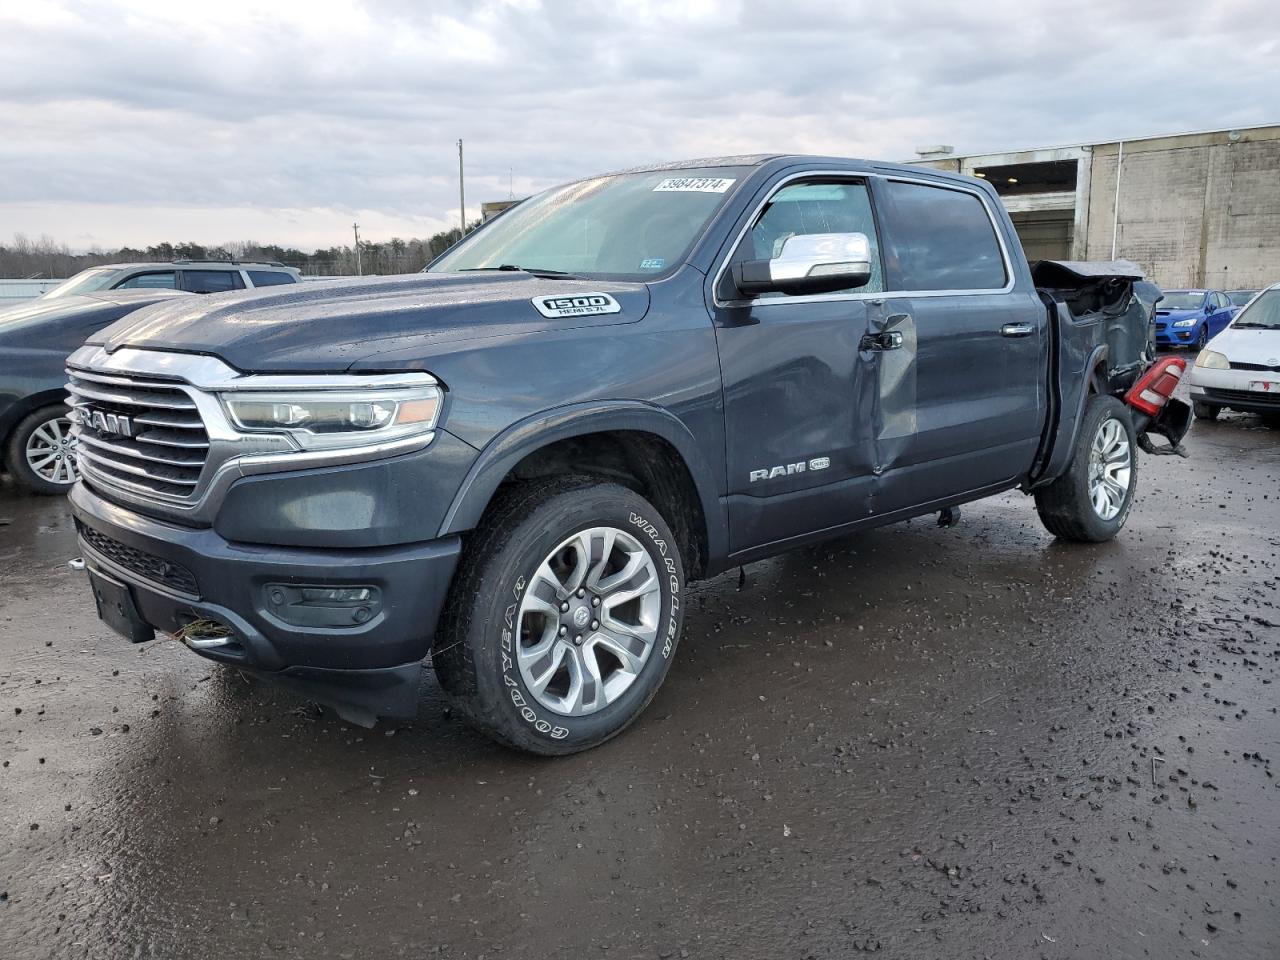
[1222, 313]
[980, 343]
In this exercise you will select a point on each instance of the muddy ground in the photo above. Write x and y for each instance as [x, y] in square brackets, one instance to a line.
[922, 742]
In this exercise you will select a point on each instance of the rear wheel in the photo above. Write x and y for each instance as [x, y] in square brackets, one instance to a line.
[1205, 411]
[564, 615]
[40, 454]
[1091, 501]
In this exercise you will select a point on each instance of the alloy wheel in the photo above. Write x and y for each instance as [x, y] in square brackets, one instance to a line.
[1110, 465]
[588, 622]
[51, 452]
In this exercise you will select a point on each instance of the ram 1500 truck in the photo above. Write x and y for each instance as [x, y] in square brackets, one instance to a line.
[514, 462]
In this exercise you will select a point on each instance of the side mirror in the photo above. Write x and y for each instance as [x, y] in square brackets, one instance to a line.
[808, 263]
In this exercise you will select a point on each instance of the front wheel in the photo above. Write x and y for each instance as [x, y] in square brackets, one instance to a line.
[1091, 501]
[564, 616]
[1202, 338]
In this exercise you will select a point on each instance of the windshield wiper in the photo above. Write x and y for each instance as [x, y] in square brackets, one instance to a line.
[512, 268]
[1250, 325]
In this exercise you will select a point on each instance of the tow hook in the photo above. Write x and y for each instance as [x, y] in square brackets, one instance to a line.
[76, 563]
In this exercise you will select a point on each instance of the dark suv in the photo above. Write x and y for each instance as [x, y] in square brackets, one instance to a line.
[514, 462]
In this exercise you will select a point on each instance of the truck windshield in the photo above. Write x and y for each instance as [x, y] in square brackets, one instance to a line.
[86, 281]
[633, 226]
[1262, 314]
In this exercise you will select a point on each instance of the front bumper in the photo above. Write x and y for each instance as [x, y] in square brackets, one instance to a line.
[179, 574]
[1168, 335]
[1231, 388]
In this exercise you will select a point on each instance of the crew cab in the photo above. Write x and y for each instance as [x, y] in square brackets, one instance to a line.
[514, 462]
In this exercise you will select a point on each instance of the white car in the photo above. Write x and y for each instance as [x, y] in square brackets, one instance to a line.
[1240, 367]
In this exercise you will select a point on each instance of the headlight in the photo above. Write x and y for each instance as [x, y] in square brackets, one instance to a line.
[1212, 360]
[324, 419]
[1189, 322]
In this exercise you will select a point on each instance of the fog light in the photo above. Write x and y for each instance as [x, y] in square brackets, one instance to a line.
[313, 605]
[331, 595]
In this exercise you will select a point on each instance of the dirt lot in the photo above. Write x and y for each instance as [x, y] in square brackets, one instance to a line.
[924, 742]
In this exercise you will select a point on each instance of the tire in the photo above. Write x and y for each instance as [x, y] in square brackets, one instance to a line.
[40, 455]
[1271, 420]
[1205, 411]
[495, 615]
[1066, 506]
[1202, 338]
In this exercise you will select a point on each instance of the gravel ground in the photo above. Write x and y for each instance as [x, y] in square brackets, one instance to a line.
[921, 742]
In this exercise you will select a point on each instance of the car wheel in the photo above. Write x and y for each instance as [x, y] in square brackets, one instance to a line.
[1205, 411]
[1272, 420]
[41, 454]
[563, 617]
[1202, 338]
[1091, 501]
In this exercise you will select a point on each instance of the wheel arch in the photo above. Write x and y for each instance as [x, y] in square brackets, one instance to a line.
[26, 406]
[619, 440]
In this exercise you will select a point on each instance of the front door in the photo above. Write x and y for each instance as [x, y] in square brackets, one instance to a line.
[797, 386]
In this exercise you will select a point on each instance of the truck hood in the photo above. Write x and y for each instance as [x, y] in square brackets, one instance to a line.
[327, 326]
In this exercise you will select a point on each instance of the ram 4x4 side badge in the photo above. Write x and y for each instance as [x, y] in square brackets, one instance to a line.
[581, 305]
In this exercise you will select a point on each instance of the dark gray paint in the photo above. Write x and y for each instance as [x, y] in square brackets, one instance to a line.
[960, 412]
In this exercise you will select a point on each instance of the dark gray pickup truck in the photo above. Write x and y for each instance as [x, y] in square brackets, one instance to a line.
[514, 462]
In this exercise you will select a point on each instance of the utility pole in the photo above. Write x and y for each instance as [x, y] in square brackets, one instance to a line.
[462, 195]
[359, 267]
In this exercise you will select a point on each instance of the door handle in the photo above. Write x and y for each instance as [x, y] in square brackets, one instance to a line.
[1017, 330]
[889, 340]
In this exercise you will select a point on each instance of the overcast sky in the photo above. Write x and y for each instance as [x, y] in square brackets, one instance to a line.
[135, 122]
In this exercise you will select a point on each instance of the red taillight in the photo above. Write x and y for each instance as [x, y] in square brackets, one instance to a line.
[1154, 388]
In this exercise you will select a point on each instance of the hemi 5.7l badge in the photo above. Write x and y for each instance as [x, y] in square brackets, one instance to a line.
[579, 305]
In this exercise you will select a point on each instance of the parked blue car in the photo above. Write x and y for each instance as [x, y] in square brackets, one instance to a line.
[1190, 318]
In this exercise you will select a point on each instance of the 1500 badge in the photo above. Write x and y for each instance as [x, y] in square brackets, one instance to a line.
[578, 305]
[791, 469]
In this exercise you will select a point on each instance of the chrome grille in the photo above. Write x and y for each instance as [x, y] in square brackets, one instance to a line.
[140, 433]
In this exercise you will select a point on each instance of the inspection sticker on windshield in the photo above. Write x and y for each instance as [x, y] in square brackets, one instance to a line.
[695, 185]
[583, 305]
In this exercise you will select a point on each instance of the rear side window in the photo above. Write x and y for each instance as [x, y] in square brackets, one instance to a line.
[939, 239]
[211, 281]
[163, 280]
[270, 278]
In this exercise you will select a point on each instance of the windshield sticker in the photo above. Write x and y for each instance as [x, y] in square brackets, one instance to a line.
[583, 305]
[653, 263]
[695, 185]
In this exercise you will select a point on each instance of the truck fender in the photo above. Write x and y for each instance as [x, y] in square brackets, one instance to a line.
[512, 445]
[1072, 406]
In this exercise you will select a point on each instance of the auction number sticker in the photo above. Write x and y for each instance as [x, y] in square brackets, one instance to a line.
[695, 185]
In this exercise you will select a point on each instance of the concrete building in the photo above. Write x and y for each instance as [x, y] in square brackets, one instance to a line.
[1195, 210]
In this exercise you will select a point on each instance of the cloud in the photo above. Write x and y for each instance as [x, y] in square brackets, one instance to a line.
[125, 122]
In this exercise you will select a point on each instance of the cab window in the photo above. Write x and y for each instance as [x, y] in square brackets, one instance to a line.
[940, 239]
[818, 206]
